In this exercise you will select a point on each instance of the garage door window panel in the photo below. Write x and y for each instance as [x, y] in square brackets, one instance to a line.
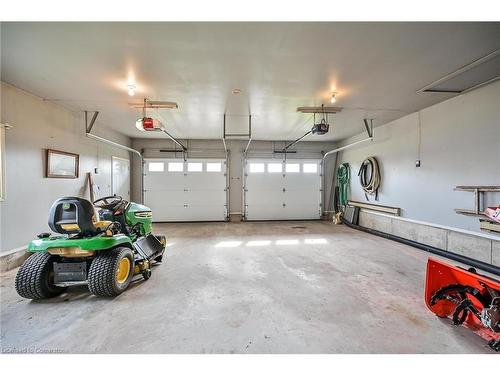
[256, 168]
[214, 167]
[156, 166]
[275, 167]
[292, 168]
[195, 167]
[310, 168]
[175, 166]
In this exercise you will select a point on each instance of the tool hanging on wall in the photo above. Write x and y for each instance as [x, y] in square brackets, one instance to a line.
[93, 188]
[372, 184]
[343, 178]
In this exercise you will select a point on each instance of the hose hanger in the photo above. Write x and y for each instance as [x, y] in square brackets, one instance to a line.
[369, 177]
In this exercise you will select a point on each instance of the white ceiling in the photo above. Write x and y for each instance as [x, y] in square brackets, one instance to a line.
[376, 69]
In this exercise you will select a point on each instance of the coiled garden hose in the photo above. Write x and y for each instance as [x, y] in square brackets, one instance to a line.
[370, 185]
[343, 177]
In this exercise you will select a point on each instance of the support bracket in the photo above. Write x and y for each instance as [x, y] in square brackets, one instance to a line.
[89, 126]
[226, 135]
[369, 128]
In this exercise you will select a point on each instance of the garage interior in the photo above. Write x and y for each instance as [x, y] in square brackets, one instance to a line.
[302, 173]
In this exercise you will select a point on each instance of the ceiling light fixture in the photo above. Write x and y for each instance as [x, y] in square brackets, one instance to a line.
[131, 89]
[236, 91]
[333, 99]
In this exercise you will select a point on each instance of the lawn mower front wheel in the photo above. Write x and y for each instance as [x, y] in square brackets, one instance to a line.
[111, 272]
[35, 278]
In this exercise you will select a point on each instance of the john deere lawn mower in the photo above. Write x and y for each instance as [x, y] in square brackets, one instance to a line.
[102, 245]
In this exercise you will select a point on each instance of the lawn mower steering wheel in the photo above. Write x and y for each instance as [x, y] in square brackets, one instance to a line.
[108, 203]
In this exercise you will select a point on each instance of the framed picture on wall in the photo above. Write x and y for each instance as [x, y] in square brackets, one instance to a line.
[61, 164]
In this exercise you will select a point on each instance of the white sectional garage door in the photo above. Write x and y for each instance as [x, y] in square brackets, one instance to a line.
[192, 190]
[277, 190]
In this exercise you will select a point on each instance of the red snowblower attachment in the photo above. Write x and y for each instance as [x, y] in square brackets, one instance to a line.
[465, 297]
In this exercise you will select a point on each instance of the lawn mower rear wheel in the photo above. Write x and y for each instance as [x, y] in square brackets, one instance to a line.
[35, 278]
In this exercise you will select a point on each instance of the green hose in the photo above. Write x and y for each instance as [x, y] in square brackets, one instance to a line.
[343, 177]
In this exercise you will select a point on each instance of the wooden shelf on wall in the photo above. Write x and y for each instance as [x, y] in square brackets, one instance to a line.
[469, 212]
[482, 189]
[489, 226]
[376, 207]
[479, 191]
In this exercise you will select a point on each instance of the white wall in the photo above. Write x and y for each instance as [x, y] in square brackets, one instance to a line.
[460, 145]
[38, 125]
[215, 148]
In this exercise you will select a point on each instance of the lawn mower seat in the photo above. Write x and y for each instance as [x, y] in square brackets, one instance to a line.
[72, 215]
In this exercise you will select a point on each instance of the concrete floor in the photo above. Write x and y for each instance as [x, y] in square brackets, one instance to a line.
[311, 288]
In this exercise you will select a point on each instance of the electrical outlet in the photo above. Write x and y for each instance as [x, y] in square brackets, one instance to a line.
[417, 163]
[96, 171]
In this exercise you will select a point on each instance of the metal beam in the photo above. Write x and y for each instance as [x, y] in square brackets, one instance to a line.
[346, 146]
[184, 148]
[248, 145]
[225, 146]
[112, 143]
[296, 141]
[173, 150]
[369, 130]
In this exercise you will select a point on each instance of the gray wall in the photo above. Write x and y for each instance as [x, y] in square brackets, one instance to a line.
[38, 125]
[215, 148]
[459, 145]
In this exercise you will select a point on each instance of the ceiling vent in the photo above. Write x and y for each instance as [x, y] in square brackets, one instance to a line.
[469, 77]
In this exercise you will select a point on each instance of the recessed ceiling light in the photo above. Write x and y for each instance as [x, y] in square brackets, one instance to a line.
[131, 89]
[236, 91]
[333, 99]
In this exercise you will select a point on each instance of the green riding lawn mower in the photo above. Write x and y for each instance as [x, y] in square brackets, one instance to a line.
[102, 245]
